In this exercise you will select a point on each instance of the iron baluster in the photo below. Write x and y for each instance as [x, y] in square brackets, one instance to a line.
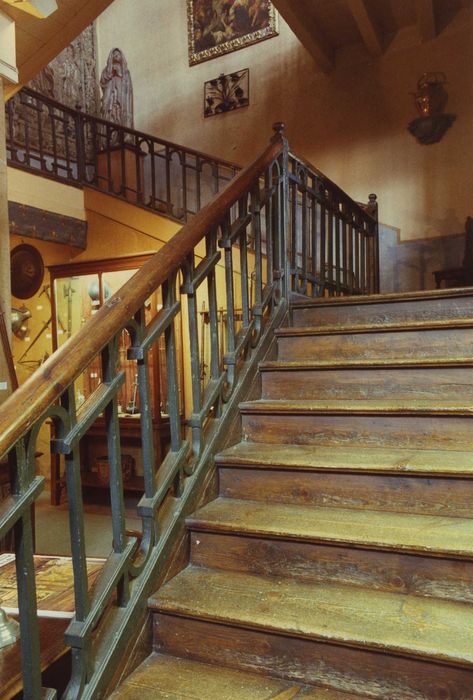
[243, 244]
[229, 359]
[21, 471]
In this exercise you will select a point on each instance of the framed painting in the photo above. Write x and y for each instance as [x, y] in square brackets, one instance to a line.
[216, 27]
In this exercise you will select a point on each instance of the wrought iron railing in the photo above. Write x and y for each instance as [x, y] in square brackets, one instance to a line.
[235, 254]
[334, 247]
[333, 240]
[240, 222]
[71, 146]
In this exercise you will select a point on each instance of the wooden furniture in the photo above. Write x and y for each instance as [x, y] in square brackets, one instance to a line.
[78, 290]
[459, 276]
[54, 582]
[454, 277]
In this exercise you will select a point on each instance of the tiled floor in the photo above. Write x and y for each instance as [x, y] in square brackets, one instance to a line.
[52, 528]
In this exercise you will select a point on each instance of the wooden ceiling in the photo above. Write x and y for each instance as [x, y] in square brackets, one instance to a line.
[327, 27]
[38, 41]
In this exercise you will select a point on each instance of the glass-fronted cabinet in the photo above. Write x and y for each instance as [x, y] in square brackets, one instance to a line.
[78, 291]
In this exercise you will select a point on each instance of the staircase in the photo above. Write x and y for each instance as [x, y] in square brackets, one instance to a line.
[336, 562]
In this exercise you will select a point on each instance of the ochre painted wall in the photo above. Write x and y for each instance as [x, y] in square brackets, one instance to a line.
[351, 124]
[115, 229]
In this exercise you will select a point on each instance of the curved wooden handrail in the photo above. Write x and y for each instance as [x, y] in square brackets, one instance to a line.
[28, 403]
[78, 114]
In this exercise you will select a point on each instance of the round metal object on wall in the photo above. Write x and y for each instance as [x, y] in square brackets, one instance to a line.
[27, 271]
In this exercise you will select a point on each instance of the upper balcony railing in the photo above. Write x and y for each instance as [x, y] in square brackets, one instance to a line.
[333, 239]
[44, 136]
[279, 226]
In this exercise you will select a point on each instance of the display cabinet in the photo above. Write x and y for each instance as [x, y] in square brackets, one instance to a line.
[77, 291]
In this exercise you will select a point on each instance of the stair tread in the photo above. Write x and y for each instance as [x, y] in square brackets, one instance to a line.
[363, 406]
[391, 622]
[363, 459]
[162, 677]
[173, 678]
[367, 363]
[374, 327]
[400, 532]
[388, 297]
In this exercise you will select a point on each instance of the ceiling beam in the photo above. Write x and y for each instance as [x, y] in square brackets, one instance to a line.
[303, 25]
[370, 33]
[426, 19]
[73, 18]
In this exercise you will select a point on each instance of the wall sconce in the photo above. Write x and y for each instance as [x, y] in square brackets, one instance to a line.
[431, 99]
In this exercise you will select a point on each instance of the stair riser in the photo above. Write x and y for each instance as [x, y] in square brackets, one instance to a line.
[378, 346]
[377, 675]
[398, 384]
[308, 562]
[448, 497]
[422, 432]
[385, 312]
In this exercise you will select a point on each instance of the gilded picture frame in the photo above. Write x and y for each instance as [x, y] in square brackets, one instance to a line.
[217, 27]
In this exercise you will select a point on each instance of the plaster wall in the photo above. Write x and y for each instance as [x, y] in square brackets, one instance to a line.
[351, 124]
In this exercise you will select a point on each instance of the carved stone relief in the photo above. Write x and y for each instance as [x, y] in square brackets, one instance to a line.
[71, 78]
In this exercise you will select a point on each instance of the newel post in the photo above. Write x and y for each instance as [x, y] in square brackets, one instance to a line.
[279, 135]
[372, 209]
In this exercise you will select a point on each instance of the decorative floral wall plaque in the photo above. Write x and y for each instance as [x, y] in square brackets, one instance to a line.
[226, 93]
[216, 27]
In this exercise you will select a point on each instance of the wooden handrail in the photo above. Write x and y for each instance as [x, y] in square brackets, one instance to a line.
[47, 384]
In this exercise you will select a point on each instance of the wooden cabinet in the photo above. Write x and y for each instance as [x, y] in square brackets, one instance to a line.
[77, 291]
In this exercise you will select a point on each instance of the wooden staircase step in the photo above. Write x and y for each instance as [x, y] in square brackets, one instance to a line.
[430, 576]
[418, 495]
[385, 308]
[464, 361]
[337, 614]
[380, 530]
[379, 675]
[358, 429]
[402, 383]
[344, 459]
[366, 328]
[383, 344]
[162, 677]
[421, 407]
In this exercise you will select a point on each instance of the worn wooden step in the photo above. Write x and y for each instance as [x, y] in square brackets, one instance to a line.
[382, 423]
[348, 326]
[287, 380]
[385, 308]
[162, 677]
[351, 616]
[379, 675]
[379, 530]
[401, 494]
[439, 343]
[430, 576]
[344, 459]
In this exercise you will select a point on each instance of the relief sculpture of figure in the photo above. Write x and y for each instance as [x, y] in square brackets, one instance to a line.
[117, 98]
